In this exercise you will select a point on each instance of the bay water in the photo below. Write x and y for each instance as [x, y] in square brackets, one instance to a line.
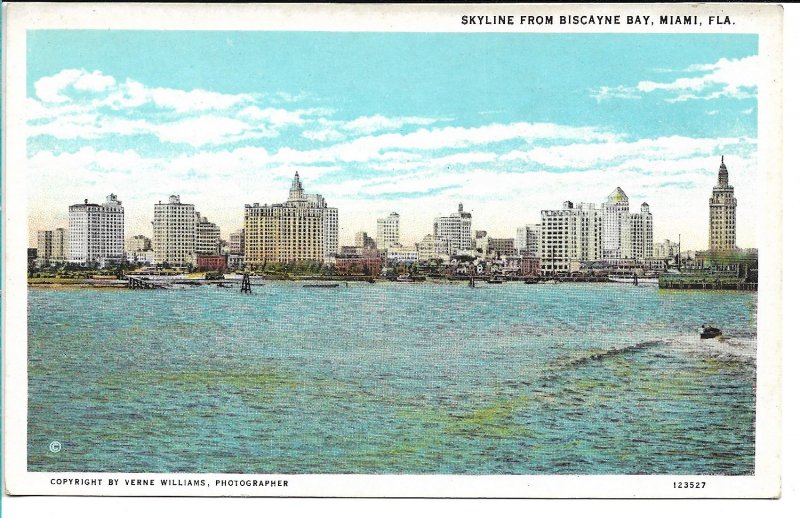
[392, 378]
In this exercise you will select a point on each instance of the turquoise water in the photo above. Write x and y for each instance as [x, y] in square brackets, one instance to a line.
[392, 378]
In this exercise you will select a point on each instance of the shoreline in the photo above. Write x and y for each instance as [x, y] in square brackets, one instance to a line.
[77, 284]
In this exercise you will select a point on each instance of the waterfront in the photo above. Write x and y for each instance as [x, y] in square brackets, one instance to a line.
[392, 378]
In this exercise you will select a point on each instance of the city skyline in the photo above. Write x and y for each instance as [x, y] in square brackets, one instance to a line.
[522, 138]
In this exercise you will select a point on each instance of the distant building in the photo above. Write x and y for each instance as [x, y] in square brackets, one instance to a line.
[388, 231]
[665, 249]
[362, 240]
[530, 266]
[60, 245]
[722, 213]
[456, 229]
[626, 235]
[432, 247]
[210, 263]
[358, 265]
[501, 246]
[207, 237]
[96, 232]
[52, 246]
[303, 228]
[528, 239]
[642, 233]
[235, 261]
[174, 232]
[570, 236]
[44, 247]
[138, 243]
[237, 242]
[402, 255]
[144, 257]
[224, 247]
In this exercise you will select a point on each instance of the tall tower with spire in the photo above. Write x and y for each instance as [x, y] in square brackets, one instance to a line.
[722, 213]
[296, 191]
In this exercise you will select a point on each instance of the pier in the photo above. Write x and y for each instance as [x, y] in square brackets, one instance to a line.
[705, 282]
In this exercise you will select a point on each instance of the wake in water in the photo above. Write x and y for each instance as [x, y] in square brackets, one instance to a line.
[737, 349]
[724, 348]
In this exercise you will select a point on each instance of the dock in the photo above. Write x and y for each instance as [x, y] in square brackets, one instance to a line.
[695, 281]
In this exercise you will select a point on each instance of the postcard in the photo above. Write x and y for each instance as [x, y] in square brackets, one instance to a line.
[470, 251]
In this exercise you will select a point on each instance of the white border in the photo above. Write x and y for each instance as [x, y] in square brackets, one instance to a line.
[762, 19]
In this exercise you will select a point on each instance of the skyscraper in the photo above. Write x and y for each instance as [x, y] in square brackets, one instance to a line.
[237, 242]
[207, 237]
[388, 231]
[456, 229]
[96, 232]
[303, 228]
[617, 226]
[528, 240]
[722, 213]
[570, 236]
[626, 235]
[174, 232]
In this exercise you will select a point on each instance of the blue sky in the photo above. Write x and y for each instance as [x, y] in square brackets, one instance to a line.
[510, 124]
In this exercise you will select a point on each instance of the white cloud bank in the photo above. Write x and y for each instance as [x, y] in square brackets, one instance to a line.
[734, 78]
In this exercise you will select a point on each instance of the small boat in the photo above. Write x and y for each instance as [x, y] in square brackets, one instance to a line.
[321, 285]
[708, 331]
[495, 280]
[531, 281]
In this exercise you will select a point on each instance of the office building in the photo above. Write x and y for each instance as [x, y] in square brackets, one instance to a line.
[570, 236]
[388, 231]
[96, 232]
[722, 213]
[175, 227]
[303, 228]
[456, 229]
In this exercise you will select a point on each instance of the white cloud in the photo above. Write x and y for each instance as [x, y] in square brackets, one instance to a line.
[63, 87]
[49, 89]
[207, 129]
[195, 100]
[375, 123]
[735, 78]
[130, 94]
[278, 117]
[605, 93]
[586, 155]
[95, 82]
[375, 147]
[323, 135]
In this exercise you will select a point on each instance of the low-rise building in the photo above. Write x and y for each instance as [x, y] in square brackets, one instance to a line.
[530, 266]
[143, 257]
[499, 247]
[432, 247]
[210, 263]
[357, 265]
[235, 261]
[402, 255]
